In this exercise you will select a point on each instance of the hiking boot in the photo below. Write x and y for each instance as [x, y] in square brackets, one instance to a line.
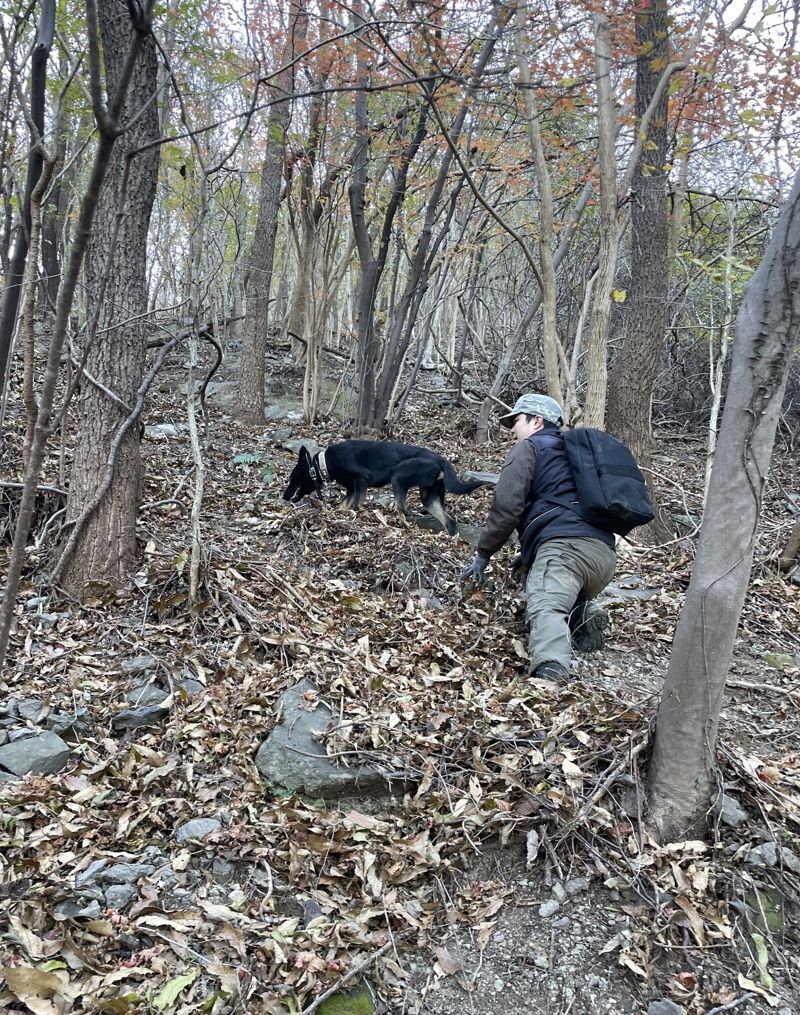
[552, 671]
[587, 624]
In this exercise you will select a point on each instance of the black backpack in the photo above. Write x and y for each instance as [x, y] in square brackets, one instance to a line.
[611, 490]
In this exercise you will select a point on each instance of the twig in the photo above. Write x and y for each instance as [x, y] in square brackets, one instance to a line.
[731, 1004]
[351, 974]
[752, 686]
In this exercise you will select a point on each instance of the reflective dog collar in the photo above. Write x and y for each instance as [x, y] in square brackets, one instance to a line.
[323, 469]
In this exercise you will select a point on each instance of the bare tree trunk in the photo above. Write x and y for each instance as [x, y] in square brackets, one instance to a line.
[547, 267]
[16, 271]
[682, 771]
[106, 118]
[258, 272]
[116, 283]
[597, 344]
[646, 307]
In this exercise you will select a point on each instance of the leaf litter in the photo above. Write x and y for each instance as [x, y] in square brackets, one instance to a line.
[288, 898]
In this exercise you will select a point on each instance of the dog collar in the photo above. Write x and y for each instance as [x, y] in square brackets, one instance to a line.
[323, 468]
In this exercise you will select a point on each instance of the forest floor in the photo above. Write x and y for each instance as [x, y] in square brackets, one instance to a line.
[507, 873]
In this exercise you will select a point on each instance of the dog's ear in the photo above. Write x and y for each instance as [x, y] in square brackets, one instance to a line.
[305, 457]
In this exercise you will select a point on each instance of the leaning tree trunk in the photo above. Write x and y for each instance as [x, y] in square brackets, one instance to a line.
[116, 285]
[682, 771]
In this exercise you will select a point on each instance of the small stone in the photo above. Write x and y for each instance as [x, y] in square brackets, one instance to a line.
[44, 753]
[35, 602]
[125, 873]
[549, 908]
[70, 726]
[138, 664]
[90, 875]
[577, 885]
[30, 708]
[665, 1007]
[790, 860]
[192, 687]
[540, 960]
[197, 828]
[133, 718]
[118, 896]
[48, 620]
[562, 923]
[499, 985]
[763, 855]
[559, 892]
[730, 813]
[780, 660]
[146, 694]
[72, 909]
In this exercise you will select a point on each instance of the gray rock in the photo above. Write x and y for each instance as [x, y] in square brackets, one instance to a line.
[730, 813]
[91, 874]
[790, 860]
[70, 726]
[192, 687]
[549, 908]
[794, 577]
[118, 896]
[559, 891]
[763, 855]
[197, 828]
[138, 664]
[125, 873]
[665, 1007]
[302, 442]
[223, 393]
[30, 708]
[133, 718]
[6, 776]
[575, 886]
[283, 433]
[43, 753]
[146, 694]
[430, 600]
[626, 588]
[48, 620]
[73, 909]
[35, 602]
[291, 757]
[20, 733]
[163, 429]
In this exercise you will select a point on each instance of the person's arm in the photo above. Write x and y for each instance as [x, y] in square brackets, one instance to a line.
[510, 498]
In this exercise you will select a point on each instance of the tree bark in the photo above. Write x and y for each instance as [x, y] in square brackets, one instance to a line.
[116, 286]
[634, 371]
[16, 271]
[258, 271]
[682, 772]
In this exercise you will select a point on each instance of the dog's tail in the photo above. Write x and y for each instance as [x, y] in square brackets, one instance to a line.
[455, 485]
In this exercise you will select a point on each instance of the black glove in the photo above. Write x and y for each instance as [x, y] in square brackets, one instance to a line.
[519, 569]
[475, 570]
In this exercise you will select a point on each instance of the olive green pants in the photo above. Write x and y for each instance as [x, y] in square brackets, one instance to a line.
[563, 572]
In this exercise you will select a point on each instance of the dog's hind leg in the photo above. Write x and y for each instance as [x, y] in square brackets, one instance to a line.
[433, 502]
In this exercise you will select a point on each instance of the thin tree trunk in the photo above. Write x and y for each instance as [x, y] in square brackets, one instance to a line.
[547, 267]
[16, 270]
[682, 774]
[259, 269]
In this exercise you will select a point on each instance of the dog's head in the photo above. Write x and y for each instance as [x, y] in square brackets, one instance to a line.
[305, 478]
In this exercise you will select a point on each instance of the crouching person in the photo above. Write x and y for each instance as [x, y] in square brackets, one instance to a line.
[567, 560]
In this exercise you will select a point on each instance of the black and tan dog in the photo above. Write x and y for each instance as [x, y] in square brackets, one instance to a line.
[357, 465]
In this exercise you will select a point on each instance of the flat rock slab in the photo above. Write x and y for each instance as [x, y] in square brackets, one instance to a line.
[292, 759]
[43, 754]
[197, 828]
[144, 715]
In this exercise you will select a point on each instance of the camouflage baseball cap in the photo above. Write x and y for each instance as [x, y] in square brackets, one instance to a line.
[535, 405]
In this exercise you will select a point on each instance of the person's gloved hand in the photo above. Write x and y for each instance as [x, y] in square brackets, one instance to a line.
[475, 570]
[519, 568]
